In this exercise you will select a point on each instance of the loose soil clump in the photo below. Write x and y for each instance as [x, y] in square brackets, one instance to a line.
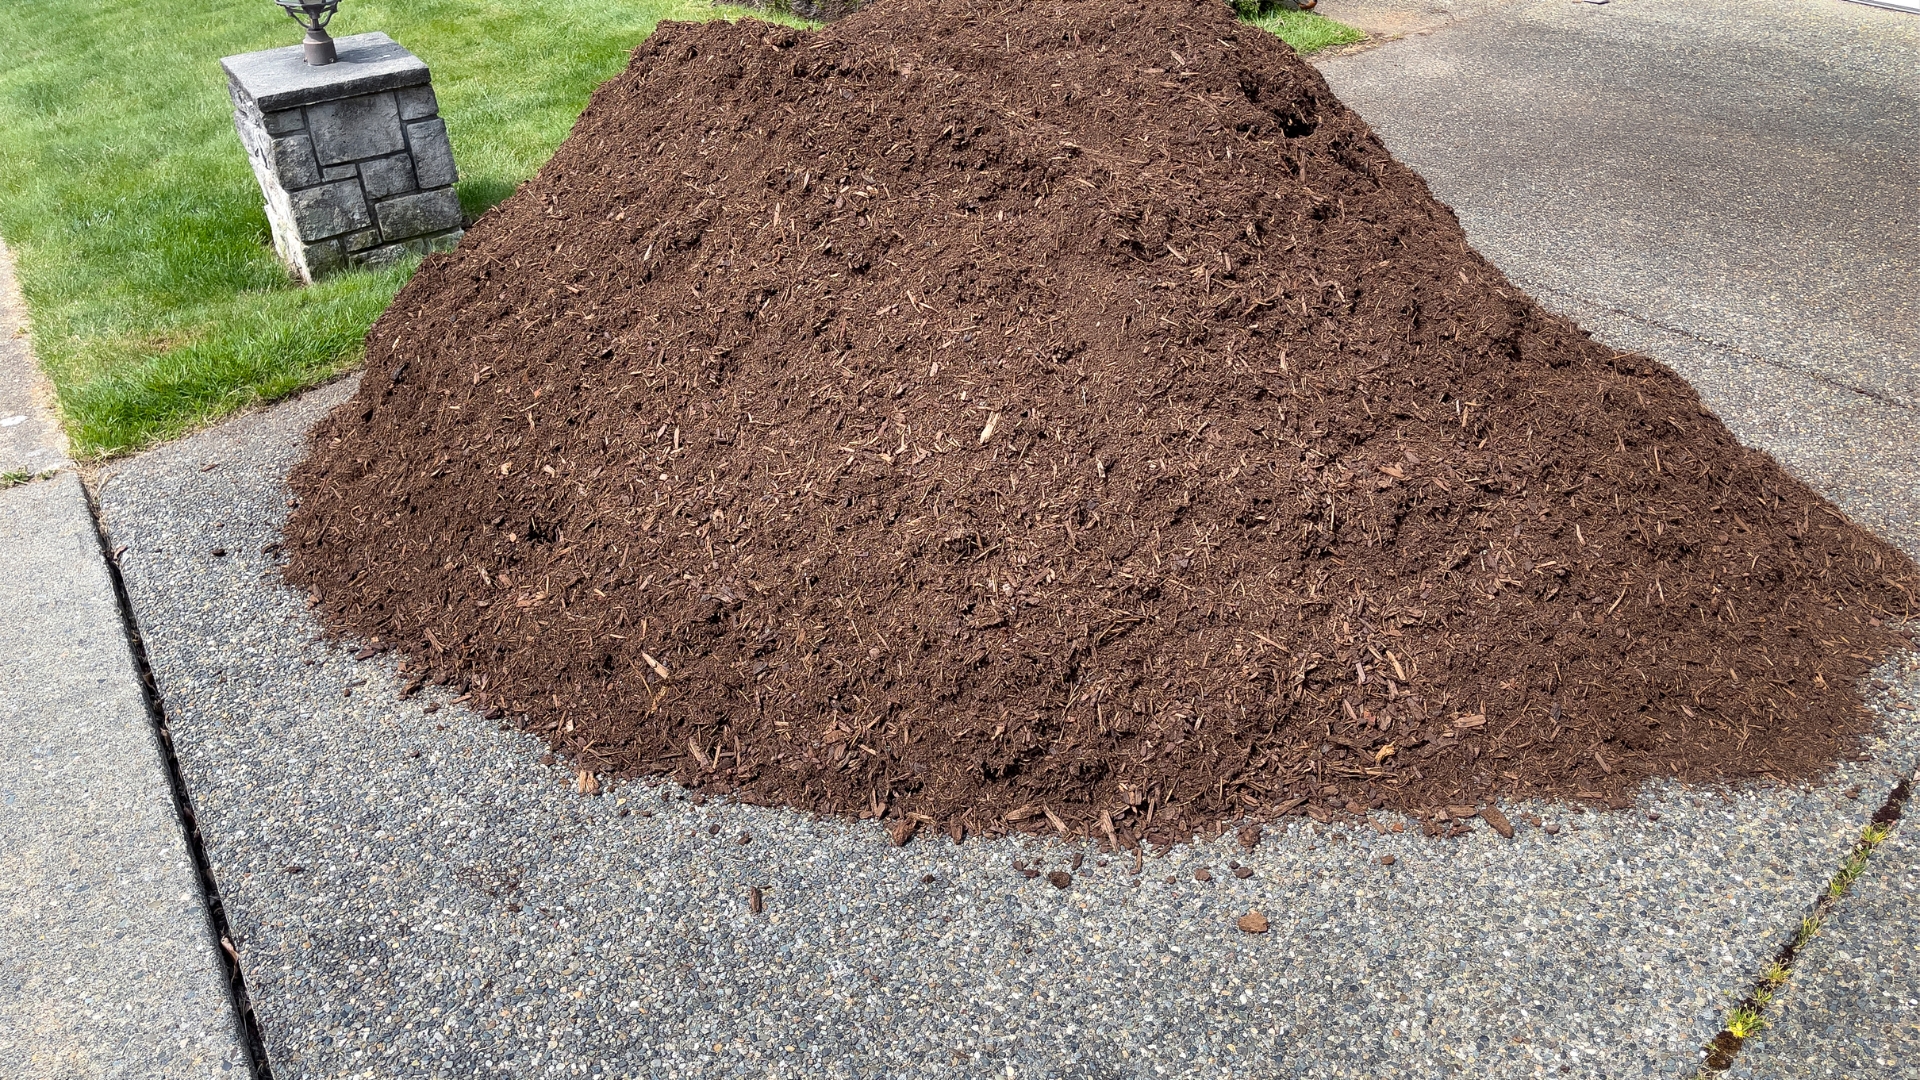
[1065, 417]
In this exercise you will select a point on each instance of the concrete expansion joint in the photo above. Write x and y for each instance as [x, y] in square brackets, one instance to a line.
[254, 1044]
[1748, 1016]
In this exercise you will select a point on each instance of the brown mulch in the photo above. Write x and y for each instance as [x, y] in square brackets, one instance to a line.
[1065, 417]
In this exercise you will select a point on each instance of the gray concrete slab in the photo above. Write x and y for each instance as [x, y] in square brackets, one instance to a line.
[416, 894]
[31, 441]
[108, 967]
[1852, 1008]
[1389, 19]
[1731, 187]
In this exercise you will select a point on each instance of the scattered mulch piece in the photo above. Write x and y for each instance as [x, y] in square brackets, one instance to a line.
[1203, 874]
[586, 783]
[853, 419]
[1249, 836]
[294, 869]
[1253, 923]
[366, 653]
[1060, 879]
[1387, 860]
[1243, 872]
[218, 553]
[1492, 816]
[746, 838]
[1171, 879]
[926, 879]
[756, 903]
[1029, 873]
[1075, 862]
[547, 759]
[1853, 792]
[713, 830]
[1653, 815]
[901, 831]
[1551, 828]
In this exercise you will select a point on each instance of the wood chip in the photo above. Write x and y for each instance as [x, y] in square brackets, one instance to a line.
[992, 425]
[1253, 923]
[659, 668]
[1060, 879]
[586, 783]
[755, 903]
[1492, 816]
[901, 831]
[1054, 819]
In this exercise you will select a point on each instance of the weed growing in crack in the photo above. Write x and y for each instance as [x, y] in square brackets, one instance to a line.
[1745, 1022]
[1747, 1018]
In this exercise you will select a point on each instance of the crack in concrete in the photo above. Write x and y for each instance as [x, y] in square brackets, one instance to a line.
[1725, 1046]
[1538, 288]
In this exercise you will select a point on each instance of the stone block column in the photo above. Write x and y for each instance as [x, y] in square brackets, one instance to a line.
[352, 157]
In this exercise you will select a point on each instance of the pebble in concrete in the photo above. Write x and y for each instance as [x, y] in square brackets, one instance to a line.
[418, 894]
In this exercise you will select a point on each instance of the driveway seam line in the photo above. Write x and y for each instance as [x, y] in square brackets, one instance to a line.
[1536, 288]
[251, 1036]
[1725, 1046]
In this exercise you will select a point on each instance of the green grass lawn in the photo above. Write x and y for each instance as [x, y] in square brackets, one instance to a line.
[156, 299]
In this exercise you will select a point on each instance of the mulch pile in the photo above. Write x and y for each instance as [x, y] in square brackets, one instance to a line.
[1058, 416]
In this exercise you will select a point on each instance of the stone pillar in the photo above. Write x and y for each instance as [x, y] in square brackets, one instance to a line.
[352, 157]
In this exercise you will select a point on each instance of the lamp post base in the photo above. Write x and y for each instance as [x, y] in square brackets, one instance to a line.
[319, 48]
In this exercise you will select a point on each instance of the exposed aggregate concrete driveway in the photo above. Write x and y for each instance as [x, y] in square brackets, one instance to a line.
[415, 894]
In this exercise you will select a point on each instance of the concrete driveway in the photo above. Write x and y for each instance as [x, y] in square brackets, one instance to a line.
[413, 892]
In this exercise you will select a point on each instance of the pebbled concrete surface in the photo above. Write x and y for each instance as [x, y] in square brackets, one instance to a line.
[417, 895]
[1852, 1009]
[1729, 187]
[1389, 19]
[108, 966]
[31, 441]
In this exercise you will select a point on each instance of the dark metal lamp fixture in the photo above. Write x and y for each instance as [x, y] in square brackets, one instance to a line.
[314, 16]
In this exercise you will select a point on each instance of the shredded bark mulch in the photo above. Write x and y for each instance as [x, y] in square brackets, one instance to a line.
[1061, 417]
